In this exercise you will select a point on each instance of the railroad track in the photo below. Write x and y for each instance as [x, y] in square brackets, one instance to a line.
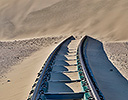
[65, 75]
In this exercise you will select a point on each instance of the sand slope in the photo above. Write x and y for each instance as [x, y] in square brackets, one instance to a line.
[13, 12]
[105, 20]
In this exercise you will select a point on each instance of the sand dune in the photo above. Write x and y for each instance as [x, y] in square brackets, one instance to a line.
[13, 12]
[105, 20]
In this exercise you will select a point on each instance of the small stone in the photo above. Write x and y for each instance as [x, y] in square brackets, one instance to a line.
[111, 69]
[55, 42]
[8, 80]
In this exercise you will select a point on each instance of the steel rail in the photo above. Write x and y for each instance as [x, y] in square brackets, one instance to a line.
[48, 61]
[83, 64]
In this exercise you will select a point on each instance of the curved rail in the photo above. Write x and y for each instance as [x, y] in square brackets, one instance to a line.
[93, 92]
[34, 92]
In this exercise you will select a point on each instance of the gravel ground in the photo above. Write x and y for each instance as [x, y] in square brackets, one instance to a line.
[118, 55]
[12, 53]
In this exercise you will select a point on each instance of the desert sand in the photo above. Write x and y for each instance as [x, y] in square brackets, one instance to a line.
[106, 20]
[31, 29]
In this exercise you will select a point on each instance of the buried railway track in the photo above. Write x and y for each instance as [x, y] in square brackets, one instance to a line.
[65, 75]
